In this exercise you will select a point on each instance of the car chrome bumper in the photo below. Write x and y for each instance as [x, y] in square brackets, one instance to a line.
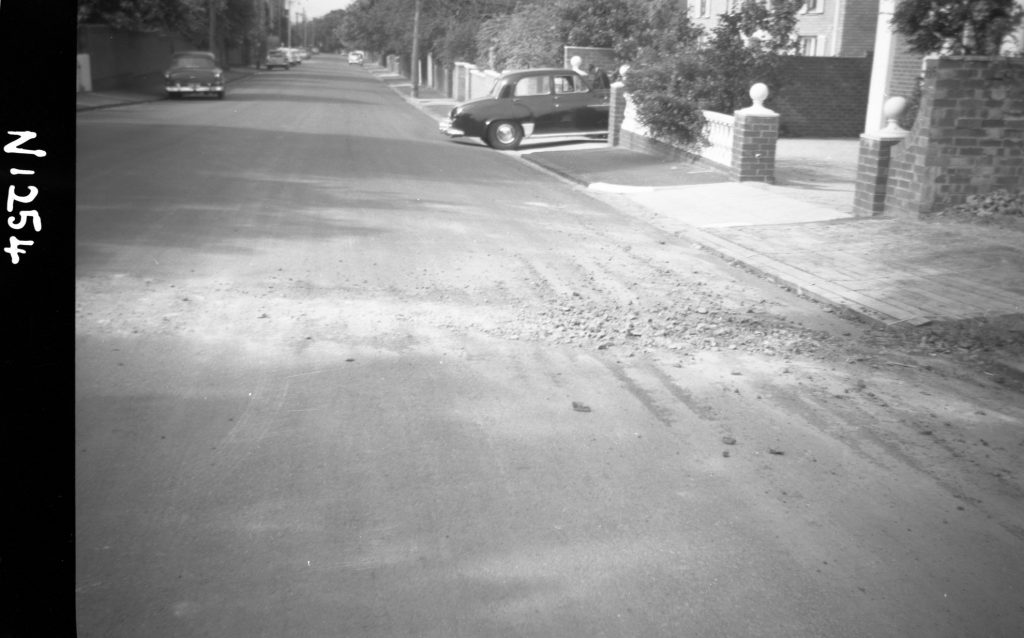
[445, 126]
[199, 88]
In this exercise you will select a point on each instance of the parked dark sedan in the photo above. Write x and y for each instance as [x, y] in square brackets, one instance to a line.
[194, 73]
[533, 104]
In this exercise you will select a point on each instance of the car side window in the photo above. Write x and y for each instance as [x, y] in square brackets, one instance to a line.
[569, 84]
[536, 85]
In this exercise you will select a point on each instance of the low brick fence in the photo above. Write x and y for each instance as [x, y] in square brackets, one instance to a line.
[742, 144]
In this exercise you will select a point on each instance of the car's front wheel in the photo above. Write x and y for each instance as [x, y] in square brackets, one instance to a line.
[504, 135]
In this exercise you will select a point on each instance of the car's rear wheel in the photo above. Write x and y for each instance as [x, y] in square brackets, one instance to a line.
[504, 135]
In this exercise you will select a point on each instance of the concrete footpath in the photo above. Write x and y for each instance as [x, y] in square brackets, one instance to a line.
[799, 231]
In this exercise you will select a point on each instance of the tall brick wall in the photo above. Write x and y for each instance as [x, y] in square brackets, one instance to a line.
[822, 97]
[119, 58]
[968, 137]
[600, 57]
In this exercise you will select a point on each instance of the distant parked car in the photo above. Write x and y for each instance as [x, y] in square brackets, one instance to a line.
[277, 59]
[356, 57]
[293, 55]
[194, 73]
[533, 103]
[303, 53]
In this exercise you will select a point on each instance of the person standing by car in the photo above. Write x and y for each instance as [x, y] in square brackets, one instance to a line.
[598, 78]
[576, 62]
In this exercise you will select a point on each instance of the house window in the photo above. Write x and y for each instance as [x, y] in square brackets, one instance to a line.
[814, 6]
[705, 9]
[808, 45]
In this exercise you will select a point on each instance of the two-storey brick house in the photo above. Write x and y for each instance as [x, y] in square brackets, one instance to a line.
[832, 28]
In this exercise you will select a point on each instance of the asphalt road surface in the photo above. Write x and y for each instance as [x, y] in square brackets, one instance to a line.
[339, 376]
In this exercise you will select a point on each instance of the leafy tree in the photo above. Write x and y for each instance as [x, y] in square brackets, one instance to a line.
[534, 33]
[144, 15]
[682, 71]
[531, 36]
[746, 47]
[451, 26]
[958, 27]
[384, 26]
[239, 21]
[598, 23]
[328, 30]
[665, 99]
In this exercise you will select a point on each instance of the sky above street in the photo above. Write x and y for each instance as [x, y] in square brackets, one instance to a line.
[318, 8]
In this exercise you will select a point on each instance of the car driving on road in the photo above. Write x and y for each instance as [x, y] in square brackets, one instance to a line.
[194, 73]
[533, 103]
[356, 57]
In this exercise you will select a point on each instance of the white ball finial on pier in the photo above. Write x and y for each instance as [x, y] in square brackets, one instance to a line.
[892, 110]
[758, 94]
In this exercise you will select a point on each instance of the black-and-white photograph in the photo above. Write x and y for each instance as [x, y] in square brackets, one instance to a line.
[548, 318]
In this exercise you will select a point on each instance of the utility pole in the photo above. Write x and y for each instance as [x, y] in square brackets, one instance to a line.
[213, 26]
[289, 24]
[416, 50]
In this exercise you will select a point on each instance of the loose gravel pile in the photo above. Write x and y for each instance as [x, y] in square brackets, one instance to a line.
[685, 326]
[1002, 206]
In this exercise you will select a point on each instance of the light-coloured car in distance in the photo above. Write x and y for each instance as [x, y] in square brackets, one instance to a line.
[277, 58]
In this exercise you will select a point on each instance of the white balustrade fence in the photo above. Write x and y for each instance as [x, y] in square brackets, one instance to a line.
[719, 135]
[719, 132]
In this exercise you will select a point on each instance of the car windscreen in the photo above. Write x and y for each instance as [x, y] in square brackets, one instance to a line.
[495, 90]
[188, 62]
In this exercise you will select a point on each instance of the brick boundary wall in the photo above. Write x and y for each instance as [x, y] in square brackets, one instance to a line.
[753, 148]
[968, 138]
[822, 97]
[874, 160]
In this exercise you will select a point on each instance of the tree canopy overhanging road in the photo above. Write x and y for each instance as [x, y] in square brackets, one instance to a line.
[339, 376]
